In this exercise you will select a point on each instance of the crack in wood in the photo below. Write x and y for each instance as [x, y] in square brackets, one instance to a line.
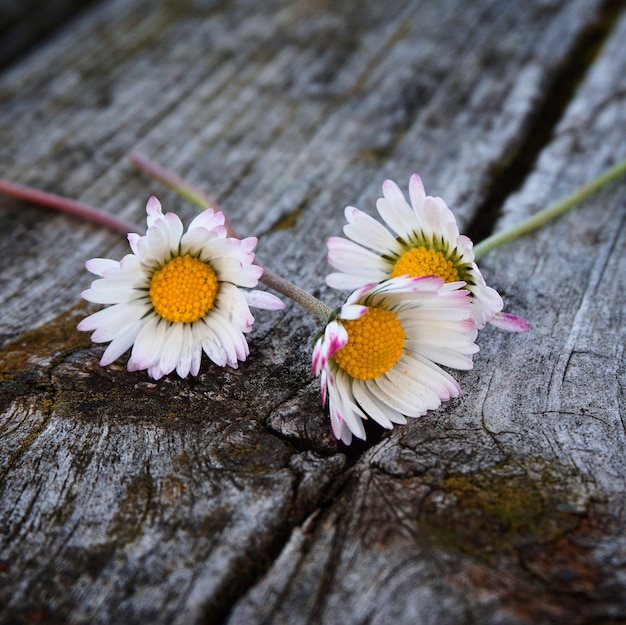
[544, 119]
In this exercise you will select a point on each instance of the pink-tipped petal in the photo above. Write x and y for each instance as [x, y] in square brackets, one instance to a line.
[263, 300]
[511, 323]
[209, 220]
[335, 338]
[353, 311]
[133, 241]
[153, 210]
[248, 244]
[392, 191]
[416, 192]
[99, 266]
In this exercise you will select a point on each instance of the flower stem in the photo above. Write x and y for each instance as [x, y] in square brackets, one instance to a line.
[185, 189]
[203, 201]
[302, 297]
[65, 205]
[550, 212]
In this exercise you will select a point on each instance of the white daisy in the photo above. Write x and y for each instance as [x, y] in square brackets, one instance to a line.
[378, 356]
[422, 239]
[176, 296]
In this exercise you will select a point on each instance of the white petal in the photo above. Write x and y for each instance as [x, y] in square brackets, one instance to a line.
[387, 393]
[350, 257]
[172, 348]
[416, 193]
[211, 345]
[370, 404]
[417, 395]
[392, 192]
[149, 343]
[155, 372]
[345, 281]
[340, 428]
[196, 353]
[111, 322]
[209, 220]
[231, 339]
[437, 221]
[339, 402]
[157, 241]
[231, 304]
[121, 343]
[99, 266]
[446, 357]
[486, 301]
[395, 211]
[103, 291]
[198, 242]
[365, 230]
[263, 300]
[230, 269]
[172, 228]
[424, 369]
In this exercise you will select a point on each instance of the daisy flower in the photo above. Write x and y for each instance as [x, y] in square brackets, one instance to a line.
[176, 296]
[379, 355]
[421, 239]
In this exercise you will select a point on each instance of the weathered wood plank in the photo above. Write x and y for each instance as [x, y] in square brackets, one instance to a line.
[507, 507]
[24, 24]
[211, 107]
[124, 499]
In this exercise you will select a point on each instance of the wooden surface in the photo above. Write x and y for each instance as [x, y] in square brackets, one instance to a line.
[225, 499]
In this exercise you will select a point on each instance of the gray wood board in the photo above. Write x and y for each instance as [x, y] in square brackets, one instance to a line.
[225, 498]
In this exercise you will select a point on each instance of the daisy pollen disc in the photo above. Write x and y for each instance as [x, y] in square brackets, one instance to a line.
[424, 261]
[375, 344]
[184, 289]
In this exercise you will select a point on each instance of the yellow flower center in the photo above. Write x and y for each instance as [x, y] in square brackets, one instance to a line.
[183, 290]
[375, 344]
[422, 261]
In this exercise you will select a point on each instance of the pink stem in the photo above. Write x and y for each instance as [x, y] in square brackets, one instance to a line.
[65, 205]
[95, 215]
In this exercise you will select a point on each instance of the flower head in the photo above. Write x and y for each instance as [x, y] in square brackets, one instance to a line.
[418, 240]
[176, 296]
[379, 356]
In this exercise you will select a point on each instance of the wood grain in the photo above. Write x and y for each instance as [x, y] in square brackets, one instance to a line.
[225, 499]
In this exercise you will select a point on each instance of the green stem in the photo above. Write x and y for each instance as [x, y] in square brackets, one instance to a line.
[550, 212]
[177, 184]
[203, 201]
